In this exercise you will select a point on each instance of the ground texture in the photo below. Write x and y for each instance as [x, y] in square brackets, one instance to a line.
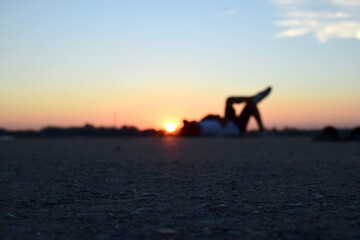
[179, 188]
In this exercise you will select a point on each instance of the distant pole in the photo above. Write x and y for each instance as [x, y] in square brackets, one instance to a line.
[115, 119]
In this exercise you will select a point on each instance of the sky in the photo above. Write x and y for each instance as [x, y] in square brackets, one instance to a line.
[145, 63]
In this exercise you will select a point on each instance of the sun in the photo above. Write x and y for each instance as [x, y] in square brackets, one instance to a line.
[170, 127]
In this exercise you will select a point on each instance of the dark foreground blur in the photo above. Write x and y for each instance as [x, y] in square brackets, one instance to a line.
[180, 188]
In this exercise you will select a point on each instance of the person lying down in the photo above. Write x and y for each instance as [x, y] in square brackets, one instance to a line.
[230, 124]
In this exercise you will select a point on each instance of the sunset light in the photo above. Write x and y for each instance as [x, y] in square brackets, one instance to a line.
[180, 119]
[113, 63]
[170, 127]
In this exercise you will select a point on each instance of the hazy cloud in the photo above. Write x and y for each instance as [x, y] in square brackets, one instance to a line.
[347, 3]
[325, 19]
[228, 12]
[283, 2]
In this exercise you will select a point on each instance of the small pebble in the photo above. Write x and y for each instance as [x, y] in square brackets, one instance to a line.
[9, 215]
[167, 231]
[318, 196]
[298, 204]
[206, 232]
[236, 233]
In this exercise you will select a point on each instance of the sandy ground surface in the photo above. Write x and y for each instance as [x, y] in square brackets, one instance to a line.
[173, 188]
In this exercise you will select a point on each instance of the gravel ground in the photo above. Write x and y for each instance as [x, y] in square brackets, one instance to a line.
[179, 188]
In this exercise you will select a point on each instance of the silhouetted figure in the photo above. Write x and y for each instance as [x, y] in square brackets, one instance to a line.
[190, 129]
[355, 134]
[230, 125]
[329, 133]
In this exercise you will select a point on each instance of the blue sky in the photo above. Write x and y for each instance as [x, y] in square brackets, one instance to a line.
[91, 58]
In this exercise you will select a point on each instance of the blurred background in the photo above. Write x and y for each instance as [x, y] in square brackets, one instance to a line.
[147, 63]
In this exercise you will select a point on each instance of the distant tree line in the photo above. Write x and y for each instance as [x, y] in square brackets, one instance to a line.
[84, 131]
[328, 133]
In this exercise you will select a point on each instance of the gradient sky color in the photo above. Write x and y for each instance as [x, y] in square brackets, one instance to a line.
[145, 63]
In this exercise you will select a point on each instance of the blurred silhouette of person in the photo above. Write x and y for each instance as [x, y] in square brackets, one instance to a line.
[355, 134]
[329, 133]
[230, 125]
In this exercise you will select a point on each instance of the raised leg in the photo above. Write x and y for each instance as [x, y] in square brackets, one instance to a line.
[261, 95]
[229, 109]
[249, 110]
[255, 99]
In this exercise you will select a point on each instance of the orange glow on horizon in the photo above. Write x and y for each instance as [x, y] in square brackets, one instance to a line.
[283, 108]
